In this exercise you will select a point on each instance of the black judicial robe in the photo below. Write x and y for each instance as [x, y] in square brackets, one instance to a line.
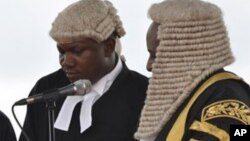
[222, 103]
[115, 115]
[6, 130]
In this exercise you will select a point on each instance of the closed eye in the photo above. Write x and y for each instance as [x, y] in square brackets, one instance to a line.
[77, 50]
[60, 50]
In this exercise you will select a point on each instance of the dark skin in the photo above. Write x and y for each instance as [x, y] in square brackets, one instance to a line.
[152, 43]
[87, 58]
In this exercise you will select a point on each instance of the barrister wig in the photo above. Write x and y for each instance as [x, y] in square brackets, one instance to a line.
[193, 44]
[96, 19]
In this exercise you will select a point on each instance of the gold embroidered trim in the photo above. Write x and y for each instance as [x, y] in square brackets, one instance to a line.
[227, 108]
[192, 139]
[179, 126]
[210, 129]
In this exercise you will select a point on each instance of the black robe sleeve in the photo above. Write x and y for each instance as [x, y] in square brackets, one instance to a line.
[28, 126]
[225, 103]
[35, 124]
[6, 130]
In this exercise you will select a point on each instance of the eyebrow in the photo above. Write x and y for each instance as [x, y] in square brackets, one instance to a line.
[149, 50]
[59, 49]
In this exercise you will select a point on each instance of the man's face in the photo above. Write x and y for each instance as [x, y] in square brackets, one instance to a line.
[84, 59]
[152, 43]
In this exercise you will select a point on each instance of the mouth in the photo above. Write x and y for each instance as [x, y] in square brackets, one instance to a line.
[73, 76]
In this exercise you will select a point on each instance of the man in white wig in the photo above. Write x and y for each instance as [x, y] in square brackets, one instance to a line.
[87, 33]
[190, 96]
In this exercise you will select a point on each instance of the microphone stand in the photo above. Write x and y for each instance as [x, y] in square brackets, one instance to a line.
[51, 105]
[50, 96]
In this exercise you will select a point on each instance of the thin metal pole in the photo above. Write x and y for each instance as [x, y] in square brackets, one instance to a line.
[51, 119]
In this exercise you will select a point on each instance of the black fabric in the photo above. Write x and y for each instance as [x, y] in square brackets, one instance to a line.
[115, 115]
[229, 89]
[74, 127]
[6, 130]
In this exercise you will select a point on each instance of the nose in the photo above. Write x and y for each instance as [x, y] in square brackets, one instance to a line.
[149, 64]
[67, 60]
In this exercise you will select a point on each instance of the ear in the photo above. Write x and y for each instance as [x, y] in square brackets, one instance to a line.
[109, 47]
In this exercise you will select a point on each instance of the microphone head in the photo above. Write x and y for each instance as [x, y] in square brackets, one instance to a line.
[83, 86]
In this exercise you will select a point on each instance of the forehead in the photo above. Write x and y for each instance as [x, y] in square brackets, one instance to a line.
[152, 31]
[80, 42]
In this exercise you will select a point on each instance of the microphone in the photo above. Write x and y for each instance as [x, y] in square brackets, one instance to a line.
[79, 87]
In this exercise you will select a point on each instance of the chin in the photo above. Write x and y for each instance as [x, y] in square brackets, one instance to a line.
[72, 80]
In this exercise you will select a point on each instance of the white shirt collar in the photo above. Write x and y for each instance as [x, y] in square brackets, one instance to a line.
[98, 89]
[103, 84]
